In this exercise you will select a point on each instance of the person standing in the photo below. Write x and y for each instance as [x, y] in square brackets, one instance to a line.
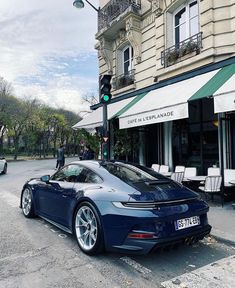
[88, 154]
[60, 157]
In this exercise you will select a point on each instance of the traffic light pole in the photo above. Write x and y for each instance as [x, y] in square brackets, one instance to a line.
[105, 142]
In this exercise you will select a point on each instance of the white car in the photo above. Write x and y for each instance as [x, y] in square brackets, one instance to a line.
[3, 166]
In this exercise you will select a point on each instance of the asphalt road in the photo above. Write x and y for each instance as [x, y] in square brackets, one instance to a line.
[34, 253]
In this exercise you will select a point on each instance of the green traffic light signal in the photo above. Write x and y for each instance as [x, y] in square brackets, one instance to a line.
[105, 89]
[106, 98]
[105, 151]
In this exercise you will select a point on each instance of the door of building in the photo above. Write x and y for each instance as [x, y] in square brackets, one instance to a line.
[232, 140]
[154, 144]
[195, 139]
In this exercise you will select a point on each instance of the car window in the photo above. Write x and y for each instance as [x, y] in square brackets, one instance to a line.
[69, 173]
[129, 173]
[88, 176]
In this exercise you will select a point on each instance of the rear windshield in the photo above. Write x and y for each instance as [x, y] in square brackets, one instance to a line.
[129, 173]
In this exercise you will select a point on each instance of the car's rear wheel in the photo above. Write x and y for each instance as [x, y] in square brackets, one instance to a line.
[5, 169]
[88, 229]
[27, 203]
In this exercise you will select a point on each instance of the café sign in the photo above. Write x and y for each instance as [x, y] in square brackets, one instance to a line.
[156, 116]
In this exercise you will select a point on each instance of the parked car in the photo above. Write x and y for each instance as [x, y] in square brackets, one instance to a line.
[116, 206]
[3, 165]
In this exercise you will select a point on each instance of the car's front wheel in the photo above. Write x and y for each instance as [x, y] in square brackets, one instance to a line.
[88, 229]
[27, 203]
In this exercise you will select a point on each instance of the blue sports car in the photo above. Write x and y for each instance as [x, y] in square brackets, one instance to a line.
[117, 206]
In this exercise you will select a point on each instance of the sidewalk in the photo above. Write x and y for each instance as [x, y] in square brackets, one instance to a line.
[222, 220]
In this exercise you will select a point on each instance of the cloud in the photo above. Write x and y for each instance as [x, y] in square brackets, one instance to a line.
[47, 50]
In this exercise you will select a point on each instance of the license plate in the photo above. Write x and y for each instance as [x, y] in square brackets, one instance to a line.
[187, 222]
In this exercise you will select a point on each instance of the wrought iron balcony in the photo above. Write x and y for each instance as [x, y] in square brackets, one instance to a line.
[123, 80]
[113, 9]
[177, 52]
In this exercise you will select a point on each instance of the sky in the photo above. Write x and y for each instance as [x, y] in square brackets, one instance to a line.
[47, 51]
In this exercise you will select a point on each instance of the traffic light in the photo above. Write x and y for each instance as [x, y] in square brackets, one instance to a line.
[105, 89]
[104, 150]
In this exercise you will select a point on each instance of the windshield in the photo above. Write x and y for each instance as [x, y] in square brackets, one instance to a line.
[129, 173]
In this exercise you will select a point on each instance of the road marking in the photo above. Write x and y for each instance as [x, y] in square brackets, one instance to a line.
[10, 199]
[136, 265]
[62, 236]
[217, 274]
[54, 231]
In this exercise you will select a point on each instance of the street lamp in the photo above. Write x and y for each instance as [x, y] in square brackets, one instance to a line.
[105, 143]
[80, 4]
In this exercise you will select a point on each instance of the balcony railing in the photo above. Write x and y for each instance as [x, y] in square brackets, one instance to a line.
[177, 52]
[123, 80]
[113, 9]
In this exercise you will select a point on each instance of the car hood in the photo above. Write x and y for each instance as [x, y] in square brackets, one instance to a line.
[160, 191]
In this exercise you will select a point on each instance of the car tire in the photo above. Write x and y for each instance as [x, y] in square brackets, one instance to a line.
[27, 203]
[4, 169]
[88, 229]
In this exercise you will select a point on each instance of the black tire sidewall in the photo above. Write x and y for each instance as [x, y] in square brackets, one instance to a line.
[4, 169]
[99, 245]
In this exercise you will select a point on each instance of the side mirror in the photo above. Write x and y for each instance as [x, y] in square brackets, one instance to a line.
[45, 178]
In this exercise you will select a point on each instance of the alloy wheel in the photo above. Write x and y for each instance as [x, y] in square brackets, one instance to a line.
[86, 228]
[26, 201]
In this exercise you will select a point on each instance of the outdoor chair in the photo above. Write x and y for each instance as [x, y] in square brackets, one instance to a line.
[229, 174]
[155, 167]
[177, 176]
[189, 172]
[179, 168]
[212, 185]
[213, 171]
[164, 169]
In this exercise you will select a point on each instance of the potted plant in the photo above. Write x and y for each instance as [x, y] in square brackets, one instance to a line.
[172, 56]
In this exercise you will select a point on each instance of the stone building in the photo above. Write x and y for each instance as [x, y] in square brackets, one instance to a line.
[172, 64]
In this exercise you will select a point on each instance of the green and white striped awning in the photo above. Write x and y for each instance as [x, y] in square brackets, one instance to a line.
[171, 101]
[95, 118]
[222, 87]
[167, 103]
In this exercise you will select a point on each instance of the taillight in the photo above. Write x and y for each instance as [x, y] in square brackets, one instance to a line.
[141, 235]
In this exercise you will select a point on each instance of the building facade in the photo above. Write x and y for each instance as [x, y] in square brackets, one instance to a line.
[172, 67]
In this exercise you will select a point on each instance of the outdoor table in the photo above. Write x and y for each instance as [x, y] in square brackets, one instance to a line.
[232, 182]
[167, 174]
[197, 178]
[195, 182]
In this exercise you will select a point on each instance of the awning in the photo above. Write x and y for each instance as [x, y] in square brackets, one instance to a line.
[164, 104]
[95, 118]
[220, 83]
[224, 98]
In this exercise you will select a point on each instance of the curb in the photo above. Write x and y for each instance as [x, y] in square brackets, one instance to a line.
[36, 159]
[223, 240]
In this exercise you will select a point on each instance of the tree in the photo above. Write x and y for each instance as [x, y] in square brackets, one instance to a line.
[90, 98]
[5, 99]
[21, 114]
[126, 142]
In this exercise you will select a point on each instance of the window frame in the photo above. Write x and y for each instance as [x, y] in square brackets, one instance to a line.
[186, 5]
[65, 178]
[62, 172]
[130, 59]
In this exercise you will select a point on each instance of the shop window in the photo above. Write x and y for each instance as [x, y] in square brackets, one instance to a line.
[195, 140]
